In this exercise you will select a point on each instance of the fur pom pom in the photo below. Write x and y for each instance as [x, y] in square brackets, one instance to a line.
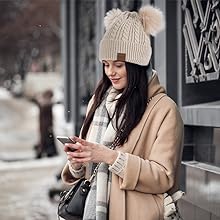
[111, 17]
[152, 19]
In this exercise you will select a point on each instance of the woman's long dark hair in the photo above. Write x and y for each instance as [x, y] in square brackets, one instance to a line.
[131, 104]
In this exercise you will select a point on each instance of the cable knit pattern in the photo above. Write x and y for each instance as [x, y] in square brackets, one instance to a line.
[126, 34]
[118, 166]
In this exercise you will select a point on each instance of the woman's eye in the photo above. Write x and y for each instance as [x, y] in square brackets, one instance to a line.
[119, 65]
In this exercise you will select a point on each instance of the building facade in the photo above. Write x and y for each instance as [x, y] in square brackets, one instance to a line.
[187, 58]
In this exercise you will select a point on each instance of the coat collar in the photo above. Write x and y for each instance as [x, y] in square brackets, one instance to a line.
[154, 86]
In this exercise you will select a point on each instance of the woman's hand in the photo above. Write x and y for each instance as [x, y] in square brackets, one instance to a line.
[74, 164]
[89, 152]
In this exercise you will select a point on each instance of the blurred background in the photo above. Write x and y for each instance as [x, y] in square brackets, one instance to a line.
[49, 69]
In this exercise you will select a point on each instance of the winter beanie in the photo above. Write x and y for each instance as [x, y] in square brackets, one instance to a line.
[127, 35]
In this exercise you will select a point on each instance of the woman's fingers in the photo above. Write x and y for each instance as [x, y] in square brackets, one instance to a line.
[67, 148]
[81, 141]
[79, 154]
[81, 160]
[72, 147]
[85, 151]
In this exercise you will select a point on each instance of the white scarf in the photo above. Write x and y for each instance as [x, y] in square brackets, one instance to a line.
[102, 131]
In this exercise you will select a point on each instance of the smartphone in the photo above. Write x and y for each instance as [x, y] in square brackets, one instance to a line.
[66, 140]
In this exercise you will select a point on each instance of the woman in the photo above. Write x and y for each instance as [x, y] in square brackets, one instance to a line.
[129, 108]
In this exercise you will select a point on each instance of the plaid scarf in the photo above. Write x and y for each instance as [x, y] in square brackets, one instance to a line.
[102, 131]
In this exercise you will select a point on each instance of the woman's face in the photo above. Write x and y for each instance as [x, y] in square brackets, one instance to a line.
[116, 72]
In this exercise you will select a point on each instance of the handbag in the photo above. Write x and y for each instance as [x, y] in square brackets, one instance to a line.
[171, 211]
[72, 201]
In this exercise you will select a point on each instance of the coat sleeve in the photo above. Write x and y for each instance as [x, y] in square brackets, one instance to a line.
[156, 174]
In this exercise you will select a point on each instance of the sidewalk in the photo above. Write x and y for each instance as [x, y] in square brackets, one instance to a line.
[24, 189]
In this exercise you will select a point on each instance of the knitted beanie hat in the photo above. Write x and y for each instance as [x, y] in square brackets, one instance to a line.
[127, 35]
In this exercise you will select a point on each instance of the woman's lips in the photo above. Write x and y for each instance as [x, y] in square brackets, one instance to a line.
[114, 80]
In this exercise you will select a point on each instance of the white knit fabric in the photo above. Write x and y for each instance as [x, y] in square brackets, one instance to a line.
[118, 166]
[128, 34]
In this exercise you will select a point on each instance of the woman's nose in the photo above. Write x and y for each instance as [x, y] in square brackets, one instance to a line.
[111, 71]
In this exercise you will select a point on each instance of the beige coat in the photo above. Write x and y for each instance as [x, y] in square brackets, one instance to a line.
[154, 150]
